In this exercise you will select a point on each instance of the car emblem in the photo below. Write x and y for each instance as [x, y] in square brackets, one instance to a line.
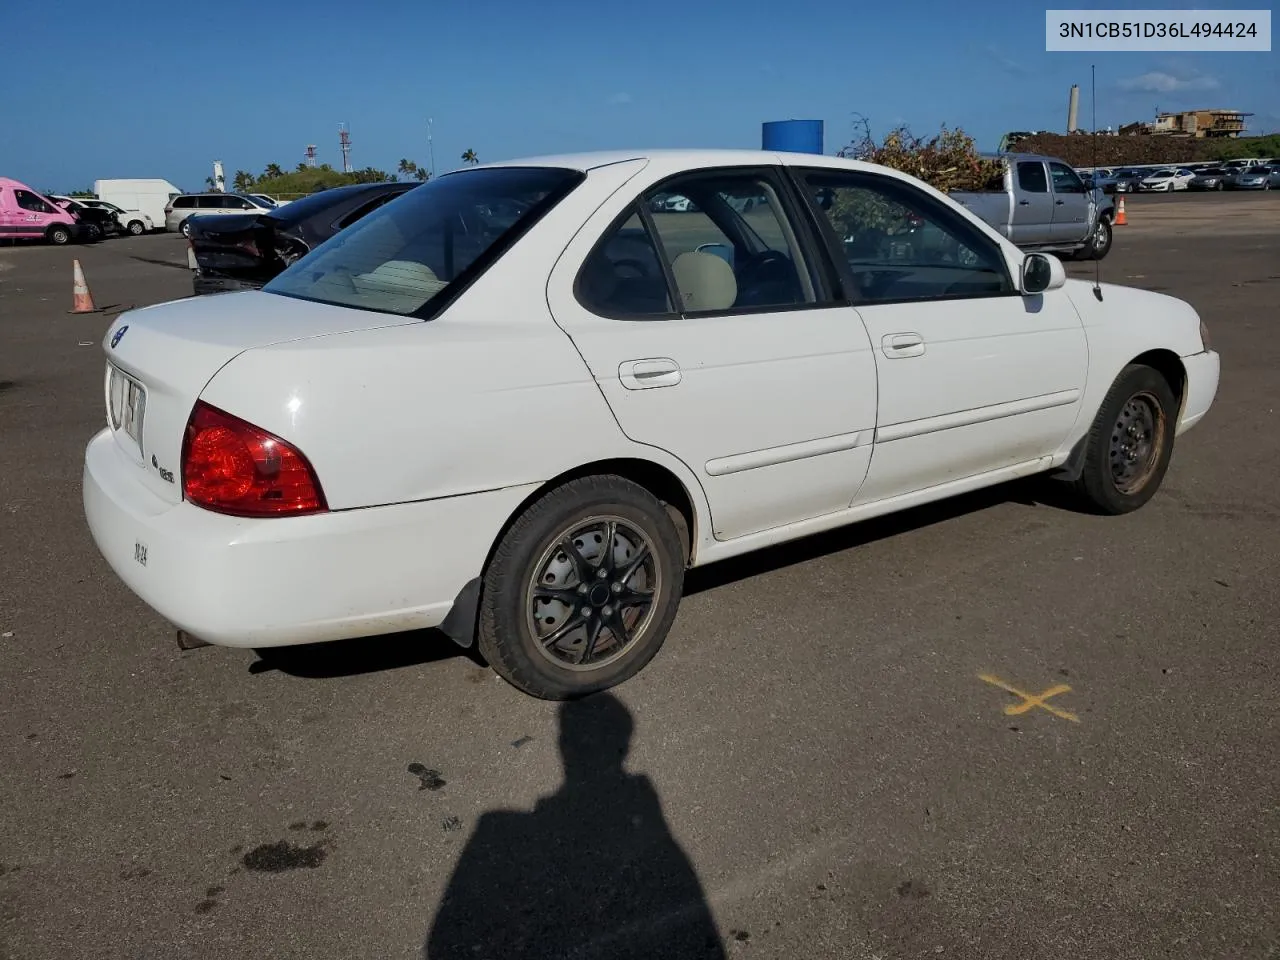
[115, 337]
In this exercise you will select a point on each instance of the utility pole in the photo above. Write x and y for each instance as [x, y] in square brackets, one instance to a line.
[431, 150]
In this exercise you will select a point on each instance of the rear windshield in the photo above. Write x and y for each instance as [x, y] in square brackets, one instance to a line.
[306, 206]
[403, 257]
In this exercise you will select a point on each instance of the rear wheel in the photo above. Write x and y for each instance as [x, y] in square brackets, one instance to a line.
[582, 589]
[58, 235]
[1130, 442]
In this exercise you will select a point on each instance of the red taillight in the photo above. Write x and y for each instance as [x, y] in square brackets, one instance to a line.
[230, 466]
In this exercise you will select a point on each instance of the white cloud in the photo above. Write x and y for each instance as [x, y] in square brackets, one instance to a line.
[1158, 82]
[620, 99]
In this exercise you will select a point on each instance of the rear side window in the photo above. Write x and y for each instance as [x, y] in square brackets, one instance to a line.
[183, 202]
[408, 258]
[1031, 177]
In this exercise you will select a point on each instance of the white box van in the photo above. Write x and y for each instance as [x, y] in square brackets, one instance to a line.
[148, 196]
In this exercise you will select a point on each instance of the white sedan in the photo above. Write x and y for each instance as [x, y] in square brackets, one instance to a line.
[1167, 180]
[524, 429]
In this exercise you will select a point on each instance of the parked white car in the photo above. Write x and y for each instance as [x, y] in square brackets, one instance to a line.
[1166, 180]
[523, 430]
[134, 222]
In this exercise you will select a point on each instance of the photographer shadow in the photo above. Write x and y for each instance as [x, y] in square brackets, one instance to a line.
[591, 871]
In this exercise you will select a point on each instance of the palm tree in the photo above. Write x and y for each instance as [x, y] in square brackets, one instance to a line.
[243, 181]
[406, 168]
[422, 174]
[272, 171]
[470, 157]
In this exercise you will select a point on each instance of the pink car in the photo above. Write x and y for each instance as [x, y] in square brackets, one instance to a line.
[26, 214]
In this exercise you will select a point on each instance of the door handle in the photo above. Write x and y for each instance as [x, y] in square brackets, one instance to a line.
[1059, 202]
[899, 345]
[647, 374]
[1024, 203]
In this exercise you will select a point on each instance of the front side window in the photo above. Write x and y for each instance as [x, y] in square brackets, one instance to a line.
[30, 201]
[406, 255]
[1065, 180]
[902, 245]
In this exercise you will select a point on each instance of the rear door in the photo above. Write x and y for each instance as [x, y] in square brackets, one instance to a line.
[1033, 209]
[1072, 204]
[715, 334]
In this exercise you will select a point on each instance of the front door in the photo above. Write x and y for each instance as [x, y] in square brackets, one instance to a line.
[706, 315]
[31, 214]
[973, 376]
[1072, 204]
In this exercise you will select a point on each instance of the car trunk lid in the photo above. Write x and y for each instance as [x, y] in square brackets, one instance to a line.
[160, 358]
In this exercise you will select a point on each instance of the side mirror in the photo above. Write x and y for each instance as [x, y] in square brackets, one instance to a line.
[1041, 272]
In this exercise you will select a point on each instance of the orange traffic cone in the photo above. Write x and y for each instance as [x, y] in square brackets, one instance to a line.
[82, 300]
[1120, 220]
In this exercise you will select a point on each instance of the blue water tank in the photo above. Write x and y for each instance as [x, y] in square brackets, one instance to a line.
[792, 136]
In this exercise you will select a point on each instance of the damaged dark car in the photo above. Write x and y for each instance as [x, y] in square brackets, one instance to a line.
[245, 251]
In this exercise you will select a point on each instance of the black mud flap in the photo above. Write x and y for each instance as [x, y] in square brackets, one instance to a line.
[460, 623]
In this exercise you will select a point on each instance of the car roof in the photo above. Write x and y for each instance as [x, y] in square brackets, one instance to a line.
[677, 159]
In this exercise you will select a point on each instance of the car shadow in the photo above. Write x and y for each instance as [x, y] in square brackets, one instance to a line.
[350, 658]
[1031, 491]
[347, 658]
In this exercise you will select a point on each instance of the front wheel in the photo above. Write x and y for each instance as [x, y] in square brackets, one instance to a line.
[582, 589]
[185, 228]
[136, 228]
[1130, 443]
[1100, 242]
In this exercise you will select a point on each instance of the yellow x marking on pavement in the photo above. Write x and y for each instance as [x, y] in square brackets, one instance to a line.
[1030, 700]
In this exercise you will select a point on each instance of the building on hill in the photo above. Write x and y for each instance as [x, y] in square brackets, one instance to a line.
[1196, 124]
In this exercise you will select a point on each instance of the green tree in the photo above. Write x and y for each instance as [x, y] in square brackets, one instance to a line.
[422, 175]
[470, 157]
[406, 168]
[243, 181]
[271, 170]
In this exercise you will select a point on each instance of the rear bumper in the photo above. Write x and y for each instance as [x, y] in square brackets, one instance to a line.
[273, 582]
[1203, 372]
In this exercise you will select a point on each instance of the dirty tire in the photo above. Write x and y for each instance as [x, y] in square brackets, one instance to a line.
[529, 571]
[1103, 484]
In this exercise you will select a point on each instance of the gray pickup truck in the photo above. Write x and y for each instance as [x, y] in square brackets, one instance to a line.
[1045, 206]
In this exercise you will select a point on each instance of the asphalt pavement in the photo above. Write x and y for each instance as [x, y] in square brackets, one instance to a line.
[814, 766]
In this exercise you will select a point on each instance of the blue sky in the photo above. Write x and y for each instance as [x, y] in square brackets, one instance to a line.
[160, 89]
